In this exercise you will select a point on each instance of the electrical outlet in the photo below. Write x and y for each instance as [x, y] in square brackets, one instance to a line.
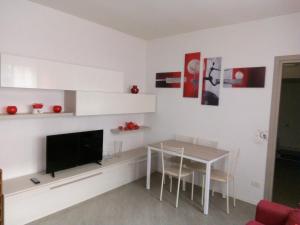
[255, 184]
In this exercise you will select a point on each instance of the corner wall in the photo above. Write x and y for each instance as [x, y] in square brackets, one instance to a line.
[234, 123]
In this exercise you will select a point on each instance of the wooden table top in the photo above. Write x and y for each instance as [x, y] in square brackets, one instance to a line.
[194, 151]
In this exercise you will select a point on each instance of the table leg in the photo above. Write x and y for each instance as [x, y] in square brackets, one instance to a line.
[207, 187]
[148, 167]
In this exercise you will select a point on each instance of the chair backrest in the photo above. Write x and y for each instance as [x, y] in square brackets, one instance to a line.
[233, 161]
[185, 138]
[206, 142]
[171, 152]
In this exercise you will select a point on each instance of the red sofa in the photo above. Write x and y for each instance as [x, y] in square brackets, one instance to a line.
[270, 213]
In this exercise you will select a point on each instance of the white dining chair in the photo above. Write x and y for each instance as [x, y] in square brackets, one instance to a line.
[174, 169]
[226, 177]
[183, 138]
[197, 166]
[207, 142]
[187, 139]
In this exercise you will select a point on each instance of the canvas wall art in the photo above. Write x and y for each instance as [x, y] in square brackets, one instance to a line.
[191, 75]
[249, 77]
[211, 81]
[168, 80]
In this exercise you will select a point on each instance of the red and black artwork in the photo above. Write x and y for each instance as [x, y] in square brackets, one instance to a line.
[211, 81]
[168, 80]
[191, 75]
[249, 77]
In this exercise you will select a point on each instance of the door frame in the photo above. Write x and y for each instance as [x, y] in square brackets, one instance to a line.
[273, 123]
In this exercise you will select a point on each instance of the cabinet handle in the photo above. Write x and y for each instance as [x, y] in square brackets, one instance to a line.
[74, 181]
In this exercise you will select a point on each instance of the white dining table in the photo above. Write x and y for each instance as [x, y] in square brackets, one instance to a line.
[197, 153]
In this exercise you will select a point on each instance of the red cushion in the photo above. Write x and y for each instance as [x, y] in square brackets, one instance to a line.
[294, 217]
[254, 223]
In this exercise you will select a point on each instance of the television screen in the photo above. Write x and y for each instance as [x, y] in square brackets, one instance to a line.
[69, 150]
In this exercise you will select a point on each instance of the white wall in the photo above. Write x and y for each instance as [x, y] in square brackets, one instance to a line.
[241, 112]
[28, 29]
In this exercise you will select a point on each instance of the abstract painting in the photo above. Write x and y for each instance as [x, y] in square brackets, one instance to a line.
[191, 75]
[211, 81]
[168, 80]
[249, 77]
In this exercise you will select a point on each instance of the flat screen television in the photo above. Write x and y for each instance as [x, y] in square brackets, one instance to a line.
[65, 151]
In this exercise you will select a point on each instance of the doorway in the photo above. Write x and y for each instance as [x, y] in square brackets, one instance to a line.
[286, 187]
[283, 159]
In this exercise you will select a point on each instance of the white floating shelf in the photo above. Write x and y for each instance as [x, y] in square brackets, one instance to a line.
[117, 131]
[30, 115]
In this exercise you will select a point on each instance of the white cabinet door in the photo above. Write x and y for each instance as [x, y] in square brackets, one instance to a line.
[99, 103]
[24, 72]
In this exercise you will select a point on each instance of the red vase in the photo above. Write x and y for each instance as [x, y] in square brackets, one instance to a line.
[57, 108]
[134, 89]
[11, 109]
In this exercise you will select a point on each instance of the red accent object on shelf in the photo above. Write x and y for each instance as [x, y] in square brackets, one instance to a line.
[57, 108]
[11, 109]
[37, 105]
[134, 89]
[131, 126]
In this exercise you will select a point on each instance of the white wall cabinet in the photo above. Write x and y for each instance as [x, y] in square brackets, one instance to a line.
[84, 103]
[25, 72]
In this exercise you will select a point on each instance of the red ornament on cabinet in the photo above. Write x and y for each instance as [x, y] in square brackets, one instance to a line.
[134, 89]
[57, 108]
[11, 109]
[37, 108]
[37, 105]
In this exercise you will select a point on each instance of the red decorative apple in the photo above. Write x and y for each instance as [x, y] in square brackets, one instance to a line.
[57, 108]
[11, 109]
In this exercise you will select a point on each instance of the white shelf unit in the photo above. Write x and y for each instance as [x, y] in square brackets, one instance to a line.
[95, 91]
[26, 202]
[31, 116]
[117, 131]
[27, 72]
[85, 103]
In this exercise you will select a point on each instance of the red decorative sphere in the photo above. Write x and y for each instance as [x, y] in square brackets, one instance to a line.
[57, 108]
[134, 89]
[11, 109]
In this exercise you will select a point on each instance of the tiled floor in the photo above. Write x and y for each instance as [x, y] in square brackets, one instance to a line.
[132, 204]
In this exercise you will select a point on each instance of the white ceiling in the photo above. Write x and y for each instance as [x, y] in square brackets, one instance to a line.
[150, 19]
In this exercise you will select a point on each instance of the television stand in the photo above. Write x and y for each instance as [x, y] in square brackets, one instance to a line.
[78, 184]
[99, 163]
[53, 174]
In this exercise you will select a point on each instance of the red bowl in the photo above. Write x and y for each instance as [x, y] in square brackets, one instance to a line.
[37, 105]
[11, 109]
[57, 108]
